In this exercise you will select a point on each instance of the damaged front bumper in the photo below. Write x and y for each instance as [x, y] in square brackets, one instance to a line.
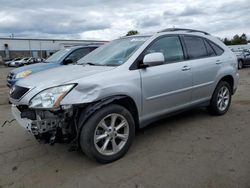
[44, 125]
[24, 122]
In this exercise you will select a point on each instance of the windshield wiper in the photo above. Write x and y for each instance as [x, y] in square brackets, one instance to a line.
[112, 65]
[92, 64]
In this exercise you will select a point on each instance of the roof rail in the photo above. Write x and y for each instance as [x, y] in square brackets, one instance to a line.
[182, 29]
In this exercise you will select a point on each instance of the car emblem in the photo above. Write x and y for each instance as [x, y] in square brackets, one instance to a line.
[12, 90]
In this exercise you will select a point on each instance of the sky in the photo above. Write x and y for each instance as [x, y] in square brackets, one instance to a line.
[110, 19]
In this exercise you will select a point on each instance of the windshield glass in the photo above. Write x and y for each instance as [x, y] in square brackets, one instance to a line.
[114, 53]
[17, 59]
[58, 55]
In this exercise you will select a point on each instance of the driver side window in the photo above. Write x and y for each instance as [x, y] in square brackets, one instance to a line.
[170, 47]
[78, 54]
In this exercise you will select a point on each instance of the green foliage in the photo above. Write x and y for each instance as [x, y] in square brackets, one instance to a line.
[236, 40]
[132, 32]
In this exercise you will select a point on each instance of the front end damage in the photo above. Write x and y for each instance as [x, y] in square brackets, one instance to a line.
[61, 125]
[47, 125]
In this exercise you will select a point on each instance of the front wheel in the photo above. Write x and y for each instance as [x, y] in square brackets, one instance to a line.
[221, 99]
[108, 134]
[240, 64]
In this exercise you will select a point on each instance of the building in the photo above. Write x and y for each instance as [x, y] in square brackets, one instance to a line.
[24, 47]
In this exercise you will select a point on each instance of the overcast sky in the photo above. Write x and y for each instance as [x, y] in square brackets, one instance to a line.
[109, 19]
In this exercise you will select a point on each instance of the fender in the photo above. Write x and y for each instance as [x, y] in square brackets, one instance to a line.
[91, 108]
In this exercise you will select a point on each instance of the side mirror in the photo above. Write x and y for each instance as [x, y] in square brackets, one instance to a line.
[67, 61]
[153, 59]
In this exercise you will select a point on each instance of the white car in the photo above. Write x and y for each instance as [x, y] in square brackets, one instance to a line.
[7, 63]
[21, 62]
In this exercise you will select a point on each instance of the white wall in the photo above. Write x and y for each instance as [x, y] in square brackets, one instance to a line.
[36, 45]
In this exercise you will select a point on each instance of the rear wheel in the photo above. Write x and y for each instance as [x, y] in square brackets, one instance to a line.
[221, 99]
[108, 134]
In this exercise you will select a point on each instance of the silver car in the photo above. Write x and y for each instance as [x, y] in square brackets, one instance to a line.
[124, 85]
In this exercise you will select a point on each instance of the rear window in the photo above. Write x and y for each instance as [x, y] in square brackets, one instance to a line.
[210, 51]
[218, 50]
[195, 47]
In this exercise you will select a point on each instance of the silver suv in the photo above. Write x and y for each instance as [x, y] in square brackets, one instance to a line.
[124, 85]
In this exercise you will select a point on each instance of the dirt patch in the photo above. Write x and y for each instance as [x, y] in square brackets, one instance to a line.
[243, 102]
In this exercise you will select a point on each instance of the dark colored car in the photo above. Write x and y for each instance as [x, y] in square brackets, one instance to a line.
[63, 57]
[243, 57]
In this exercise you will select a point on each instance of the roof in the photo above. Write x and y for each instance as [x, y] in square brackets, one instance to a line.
[183, 30]
[45, 39]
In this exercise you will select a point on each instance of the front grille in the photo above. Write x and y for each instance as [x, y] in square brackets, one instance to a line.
[10, 76]
[18, 92]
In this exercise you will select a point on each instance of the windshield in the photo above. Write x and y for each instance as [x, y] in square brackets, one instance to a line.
[114, 53]
[17, 59]
[58, 55]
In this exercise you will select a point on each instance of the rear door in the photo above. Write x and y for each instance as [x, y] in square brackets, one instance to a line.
[166, 87]
[205, 65]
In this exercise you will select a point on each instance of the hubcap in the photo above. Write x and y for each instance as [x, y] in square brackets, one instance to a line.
[240, 64]
[223, 98]
[111, 134]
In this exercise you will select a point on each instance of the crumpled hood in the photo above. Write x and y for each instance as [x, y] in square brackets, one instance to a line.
[35, 67]
[60, 75]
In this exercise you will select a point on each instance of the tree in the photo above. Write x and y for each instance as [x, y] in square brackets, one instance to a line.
[132, 32]
[243, 38]
[226, 41]
[236, 40]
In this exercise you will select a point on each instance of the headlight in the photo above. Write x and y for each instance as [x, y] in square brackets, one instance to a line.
[50, 98]
[23, 74]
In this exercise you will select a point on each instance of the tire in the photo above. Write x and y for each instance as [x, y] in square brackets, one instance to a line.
[88, 136]
[216, 107]
[240, 64]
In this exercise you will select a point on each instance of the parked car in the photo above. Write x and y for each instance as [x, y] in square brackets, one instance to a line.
[24, 61]
[19, 63]
[40, 60]
[60, 58]
[243, 57]
[124, 85]
[8, 62]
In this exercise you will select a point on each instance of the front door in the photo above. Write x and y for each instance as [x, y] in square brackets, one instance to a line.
[166, 87]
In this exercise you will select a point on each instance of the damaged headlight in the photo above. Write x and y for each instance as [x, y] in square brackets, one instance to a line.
[50, 98]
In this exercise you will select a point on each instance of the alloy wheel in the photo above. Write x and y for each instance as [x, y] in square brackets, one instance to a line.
[223, 98]
[111, 134]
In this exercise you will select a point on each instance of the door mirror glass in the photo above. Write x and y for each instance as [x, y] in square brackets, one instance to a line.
[154, 59]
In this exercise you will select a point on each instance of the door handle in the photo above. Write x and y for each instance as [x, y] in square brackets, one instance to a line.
[218, 62]
[186, 68]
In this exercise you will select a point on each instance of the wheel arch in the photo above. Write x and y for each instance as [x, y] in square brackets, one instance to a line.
[229, 79]
[86, 110]
[241, 59]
